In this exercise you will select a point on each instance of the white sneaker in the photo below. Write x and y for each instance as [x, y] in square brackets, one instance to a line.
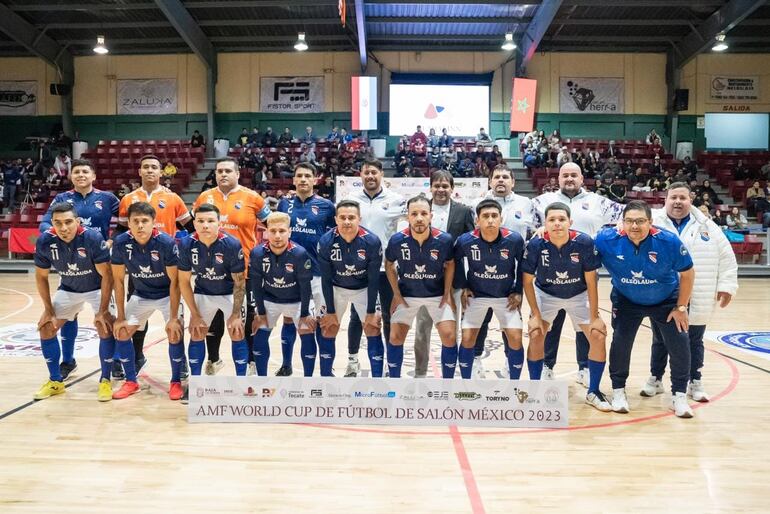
[598, 401]
[619, 401]
[211, 368]
[652, 387]
[547, 373]
[582, 377]
[680, 406]
[478, 368]
[252, 369]
[696, 391]
[420, 374]
[353, 366]
[505, 373]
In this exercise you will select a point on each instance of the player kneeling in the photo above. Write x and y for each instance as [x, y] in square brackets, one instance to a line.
[349, 256]
[280, 272]
[493, 281]
[150, 257]
[81, 258]
[560, 273]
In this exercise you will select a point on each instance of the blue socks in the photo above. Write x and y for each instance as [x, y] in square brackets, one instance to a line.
[288, 336]
[176, 357]
[395, 359]
[466, 356]
[106, 352]
[197, 352]
[326, 353]
[308, 349]
[69, 332]
[535, 369]
[449, 361]
[375, 348]
[595, 371]
[262, 350]
[127, 358]
[516, 362]
[241, 357]
[52, 354]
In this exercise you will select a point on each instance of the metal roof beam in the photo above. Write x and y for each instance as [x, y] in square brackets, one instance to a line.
[643, 3]
[190, 31]
[361, 31]
[536, 30]
[621, 22]
[142, 6]
[449, 19]
[203, 23]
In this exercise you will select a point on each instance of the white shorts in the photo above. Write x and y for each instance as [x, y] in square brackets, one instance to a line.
[576, 307]
[208, 305]
[405, 315]
[474, 314]
[139, 310]
[317, 301]
[67, 305]
[274, 312]
[344, 297]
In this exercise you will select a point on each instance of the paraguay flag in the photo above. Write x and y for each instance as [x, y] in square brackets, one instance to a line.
[363, 103]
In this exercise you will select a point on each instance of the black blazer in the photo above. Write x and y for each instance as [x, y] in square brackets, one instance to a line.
[460, 219]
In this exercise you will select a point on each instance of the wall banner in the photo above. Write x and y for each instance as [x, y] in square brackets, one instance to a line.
[147, 96]
[591, 95]
[18, 98]
[291, 94]
[723, 88]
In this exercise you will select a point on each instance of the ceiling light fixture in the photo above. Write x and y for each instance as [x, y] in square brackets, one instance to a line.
[100, 48]
[720, 46]
[301, 44]
[508, 44]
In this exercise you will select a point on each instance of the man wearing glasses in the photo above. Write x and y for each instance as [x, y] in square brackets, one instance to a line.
[652, 276]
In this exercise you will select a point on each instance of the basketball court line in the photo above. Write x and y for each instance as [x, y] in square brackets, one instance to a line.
[30, 301]
[741, 361]
[33, 402]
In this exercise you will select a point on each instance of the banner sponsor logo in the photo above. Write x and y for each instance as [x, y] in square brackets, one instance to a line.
[591, 95]
[723, 88]
[754, 343]
[18, 98]
[23, 340]
[147, 96]
[291, 94]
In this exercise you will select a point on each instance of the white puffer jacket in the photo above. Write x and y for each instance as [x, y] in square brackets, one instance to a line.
[714, 261]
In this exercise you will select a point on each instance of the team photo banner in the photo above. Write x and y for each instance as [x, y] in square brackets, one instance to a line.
[18, 98]
[591, 95]
[723, 88]
[467, 190]
[147, 96]
[291, 94]
[378, 401]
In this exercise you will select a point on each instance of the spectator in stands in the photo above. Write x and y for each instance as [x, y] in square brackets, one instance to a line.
[764, 171]
[741, 172]
[638, 181]
[594, 159]
[495, 158]
[255, 139]
[209, 183]
[706, 212]
[308, 137]
[603, 187]
[756, 198]
[655, 184]
[197, 140]
[690, 168]
[482, 136]
[681, 176]
[419, 137]
[401, 165]
[346, 138]
[531, 158]
[307, 155]
[135, 184]
[628, 169]
[554, 141]
[168, 184]
[29, 171]
[706, 188]
[63, 164]
[657, 167]
[607, 174]
[434, 157]
[247, 160]
[465, 167]
[480, 168]
[718, 218]
[617, 191]
[479, 152]
[282, 165]
[268, 138]
[448, 165]
[445, 140]
[613, 151]
[451, 152]
[667, 179]
[243, 139]
[433, 139]
[11, 183]
[551, 187]
[704, 199]
[563, 157]
[653, 139]
[169, 170]
[334, 135]
[286, 138]
[586, 167]
[736, 220]
[122, 191]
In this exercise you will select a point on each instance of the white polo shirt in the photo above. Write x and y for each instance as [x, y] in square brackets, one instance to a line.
[380, 213]
[589, 211]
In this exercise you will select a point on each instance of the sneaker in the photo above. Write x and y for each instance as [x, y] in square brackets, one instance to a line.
[252, 369]
[185, 399]
[598, 401]
[547, 373]
[175, 391]
[696, 391]
[652, 387]
[478, 368]
[284, 371]
[127, 389]
[141, 363]
[211, 368]
[67, 368]
[117, 370]
[353, 367]
[680, 406]
[582, 377]
[420, 374]
[105, 390]
[50, 388]
[619, 401]
[505, 373]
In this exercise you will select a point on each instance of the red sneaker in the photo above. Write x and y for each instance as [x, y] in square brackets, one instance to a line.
[126, 390]
[175, 391]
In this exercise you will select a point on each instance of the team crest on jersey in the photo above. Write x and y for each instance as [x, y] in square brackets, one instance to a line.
[653, 257]
[517, 215]
[161, 204]
[434, 254]
[574, 257]
[82, 252]
[98, 204]
[289, 267]
[705, 235]
[504, 254]
[385, 206]
[220, 258]
[154, 255]
[362, 254]
[314, 209]
[238, 204]
[585, 206]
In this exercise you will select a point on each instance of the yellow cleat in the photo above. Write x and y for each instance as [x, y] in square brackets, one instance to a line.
[50, 388]
[105, 390]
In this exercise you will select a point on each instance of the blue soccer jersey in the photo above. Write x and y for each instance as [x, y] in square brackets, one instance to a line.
[647, 274]
[310, 220]
[213, 265]
[494, 268]
[95, 209]
[74, 261]
[146, 264]
[560, 272]
[354, 265]
[283, 278]
[420, 267]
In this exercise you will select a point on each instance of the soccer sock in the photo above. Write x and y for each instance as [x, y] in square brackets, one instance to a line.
[449, 361]
[138, 341]
[515, 362]
[262, 351]
[535, 369]
[395, 359]
[376, 350]
[288, 336]
[69, 332]
[106, 352]
[52, 354]
[197, 352]
[127, 358]
[240, 357]
[326, 353]
[176, 357]
[466, 361]
[595, 371]
[308, 349]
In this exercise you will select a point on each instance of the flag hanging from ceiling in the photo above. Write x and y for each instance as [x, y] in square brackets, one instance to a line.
[343, 11]
[363, 102]
[523, 105]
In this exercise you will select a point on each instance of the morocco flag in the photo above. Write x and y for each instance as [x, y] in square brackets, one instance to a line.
[523, 105]
[363, 102]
